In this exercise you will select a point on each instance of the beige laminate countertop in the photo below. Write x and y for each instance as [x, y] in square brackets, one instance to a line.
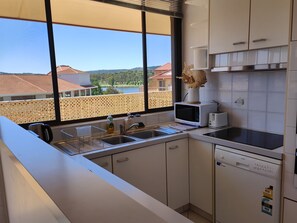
[81, 195]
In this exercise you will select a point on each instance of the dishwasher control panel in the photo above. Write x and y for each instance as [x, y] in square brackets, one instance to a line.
[254, 164]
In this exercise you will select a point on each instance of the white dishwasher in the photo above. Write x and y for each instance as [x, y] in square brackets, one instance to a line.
[247, 187]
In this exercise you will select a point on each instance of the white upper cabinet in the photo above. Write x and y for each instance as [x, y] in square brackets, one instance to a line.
[237, 25]
[229, 25]
[269, 23]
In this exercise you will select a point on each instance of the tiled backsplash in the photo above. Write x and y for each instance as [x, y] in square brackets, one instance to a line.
[262, 93]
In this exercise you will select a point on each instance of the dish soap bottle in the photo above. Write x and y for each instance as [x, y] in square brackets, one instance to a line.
[109, 125]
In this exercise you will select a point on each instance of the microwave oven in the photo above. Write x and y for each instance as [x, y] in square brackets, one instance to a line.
[193, 114]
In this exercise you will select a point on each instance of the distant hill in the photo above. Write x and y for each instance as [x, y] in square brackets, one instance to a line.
[93, 71]
[118, 70]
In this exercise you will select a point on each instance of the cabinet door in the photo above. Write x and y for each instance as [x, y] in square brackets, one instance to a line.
[144, 168]
[177, 173]
[229, 25]
[201, 175]
[104, 162]
[290, 210]
[269, 23]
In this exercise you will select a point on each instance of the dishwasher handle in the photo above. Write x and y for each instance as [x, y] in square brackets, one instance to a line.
[242, 165]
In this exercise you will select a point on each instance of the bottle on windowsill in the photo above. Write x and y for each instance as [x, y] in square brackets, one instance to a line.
[109, 124]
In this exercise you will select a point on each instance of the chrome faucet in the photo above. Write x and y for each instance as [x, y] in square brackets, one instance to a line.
[123, 131]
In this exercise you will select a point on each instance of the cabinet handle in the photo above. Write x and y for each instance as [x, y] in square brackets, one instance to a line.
[104, 164]
[173, 147]
[238, 43]
[122, 160]
[259, 40]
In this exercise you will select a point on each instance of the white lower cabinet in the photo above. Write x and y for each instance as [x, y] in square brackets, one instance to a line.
[201, 175]
[145, 168]
[290, 210]
[105, 162]
[177, 155]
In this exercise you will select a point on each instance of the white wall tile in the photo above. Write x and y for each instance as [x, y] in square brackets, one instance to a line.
[239, 118]
[240, 82]
[209, 95]
[274, 55]
[240, 95]
[275, 123]
[212, 81]
[225, 81]
[276, 102]
[276, 81]
[257, 120]
[262, 56]
[258, 81]
[225, 97]
[257, 101]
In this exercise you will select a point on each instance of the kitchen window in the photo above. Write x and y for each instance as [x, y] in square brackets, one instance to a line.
[98, 60]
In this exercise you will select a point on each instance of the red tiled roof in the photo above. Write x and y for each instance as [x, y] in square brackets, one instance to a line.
[65, 69]
[164, 67]
[164, 75]
[32, 84]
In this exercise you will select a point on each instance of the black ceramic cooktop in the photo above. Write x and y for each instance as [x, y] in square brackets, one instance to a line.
[250, 137]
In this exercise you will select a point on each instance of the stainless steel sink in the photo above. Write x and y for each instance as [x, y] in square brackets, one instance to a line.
[118, 140]
[148, 134]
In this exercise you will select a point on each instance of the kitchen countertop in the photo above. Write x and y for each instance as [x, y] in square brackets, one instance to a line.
[65, 181]
[194, 134]
[198, 134]
[81, 195]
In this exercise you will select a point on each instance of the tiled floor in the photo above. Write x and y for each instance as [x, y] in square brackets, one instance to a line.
[195, 217]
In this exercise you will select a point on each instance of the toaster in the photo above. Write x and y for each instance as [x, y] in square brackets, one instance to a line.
[217, 119]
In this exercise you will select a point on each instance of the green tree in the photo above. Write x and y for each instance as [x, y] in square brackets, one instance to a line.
[111, 90]
[98, 90]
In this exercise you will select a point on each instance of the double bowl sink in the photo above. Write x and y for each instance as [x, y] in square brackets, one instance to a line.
[139, 135]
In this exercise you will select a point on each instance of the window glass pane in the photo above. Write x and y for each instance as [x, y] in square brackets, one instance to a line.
[25, 88]
[104, 66]
[159, 64]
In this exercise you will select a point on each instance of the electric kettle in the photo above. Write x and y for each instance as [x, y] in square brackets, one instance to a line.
[43, 131]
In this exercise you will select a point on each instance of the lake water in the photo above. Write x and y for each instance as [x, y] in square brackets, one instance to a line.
[125, 89]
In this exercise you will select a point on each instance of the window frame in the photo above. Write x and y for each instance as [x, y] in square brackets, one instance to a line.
[176, 60]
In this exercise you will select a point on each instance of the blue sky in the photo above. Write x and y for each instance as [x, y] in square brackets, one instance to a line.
[24, 48]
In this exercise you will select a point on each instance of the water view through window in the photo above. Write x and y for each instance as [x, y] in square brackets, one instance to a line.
[99, 70]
